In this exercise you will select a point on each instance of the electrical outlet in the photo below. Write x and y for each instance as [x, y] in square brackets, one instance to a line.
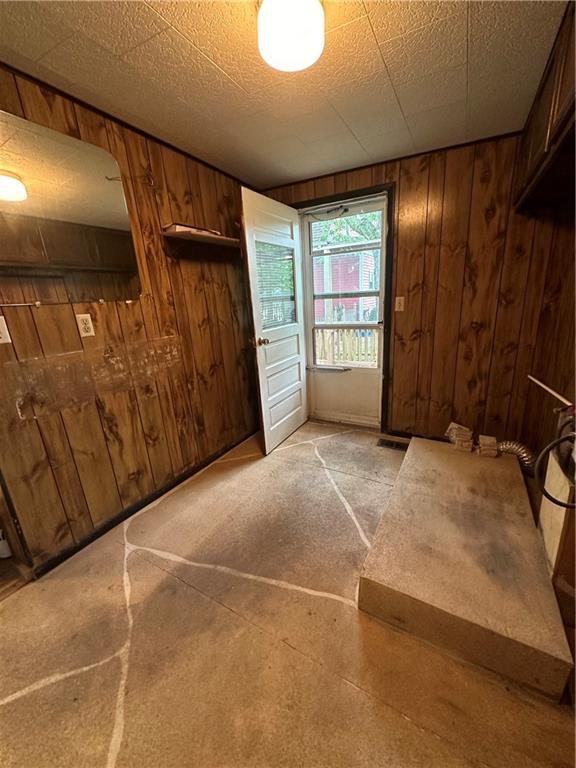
[85, 325]
[399, 304]
[4, 333]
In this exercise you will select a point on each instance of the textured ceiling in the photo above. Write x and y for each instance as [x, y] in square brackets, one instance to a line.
[395, 77]
[65, 178]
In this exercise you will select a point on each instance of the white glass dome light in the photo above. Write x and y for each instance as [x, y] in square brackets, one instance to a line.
[12, 188]
[291, 33]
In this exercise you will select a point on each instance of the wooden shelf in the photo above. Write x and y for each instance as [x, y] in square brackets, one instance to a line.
[184, 232]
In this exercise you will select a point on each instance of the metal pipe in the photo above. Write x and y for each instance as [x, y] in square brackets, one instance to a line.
[522, 452]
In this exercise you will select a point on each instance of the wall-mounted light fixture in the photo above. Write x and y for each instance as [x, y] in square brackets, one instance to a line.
[12, 187]
[291, 33]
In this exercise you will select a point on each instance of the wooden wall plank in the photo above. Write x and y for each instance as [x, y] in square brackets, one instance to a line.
[430, 289]
[58, 334]
[27, 346]
[520, 236]
[44, 106]
[118, 410]
[413, 196]
[554, 339]
[29, 477]
[9, 96]
[214, 416]
[453, 248]
[493, 166]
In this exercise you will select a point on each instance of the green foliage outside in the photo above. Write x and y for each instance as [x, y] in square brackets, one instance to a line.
[347, 230]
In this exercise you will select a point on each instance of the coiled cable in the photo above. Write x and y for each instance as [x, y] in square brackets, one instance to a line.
[540, 464]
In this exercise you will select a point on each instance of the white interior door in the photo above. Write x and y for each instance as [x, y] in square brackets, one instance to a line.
[275, 269]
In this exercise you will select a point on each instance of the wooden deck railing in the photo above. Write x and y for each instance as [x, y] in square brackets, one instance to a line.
[346, 346]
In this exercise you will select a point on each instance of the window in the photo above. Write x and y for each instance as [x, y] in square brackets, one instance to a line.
[346, 251]
[275, 271]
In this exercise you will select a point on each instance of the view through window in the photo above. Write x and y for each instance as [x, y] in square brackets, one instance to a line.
[346, 254]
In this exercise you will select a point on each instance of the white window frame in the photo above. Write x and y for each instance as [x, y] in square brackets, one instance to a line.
[364, 205]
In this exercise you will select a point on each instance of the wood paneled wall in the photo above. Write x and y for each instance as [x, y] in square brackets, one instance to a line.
[68, 471]
[489, 292]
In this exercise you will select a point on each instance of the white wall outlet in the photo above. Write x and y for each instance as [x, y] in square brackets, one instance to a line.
[399, 304]
[85, 325]
[4, 333]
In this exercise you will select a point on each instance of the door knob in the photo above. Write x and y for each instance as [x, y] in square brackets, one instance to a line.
[262, 341]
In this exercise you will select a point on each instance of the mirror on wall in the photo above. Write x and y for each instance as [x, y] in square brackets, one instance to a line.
[64, 228]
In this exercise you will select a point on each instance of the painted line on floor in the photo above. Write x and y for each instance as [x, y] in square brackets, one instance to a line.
[118, 729]
[313, 440]
[345, 504]
[171, 556]
[56, 678]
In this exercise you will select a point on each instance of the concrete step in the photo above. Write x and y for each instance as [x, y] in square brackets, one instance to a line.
[458, 561]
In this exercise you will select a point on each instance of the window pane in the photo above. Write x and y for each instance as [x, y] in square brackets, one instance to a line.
[357, 309]
[359, 229]
[275, 273]
[346, 272]
[357, 347]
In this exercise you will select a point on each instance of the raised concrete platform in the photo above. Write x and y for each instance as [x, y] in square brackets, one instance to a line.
[458, 561]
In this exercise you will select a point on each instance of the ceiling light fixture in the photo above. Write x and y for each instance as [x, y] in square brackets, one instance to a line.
[291, 33]
[12, 187]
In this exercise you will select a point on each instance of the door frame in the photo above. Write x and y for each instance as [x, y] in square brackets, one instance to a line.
[387, 315]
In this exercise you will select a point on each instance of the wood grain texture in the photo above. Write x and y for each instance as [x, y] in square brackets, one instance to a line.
[502, 306]
[69, 471]
[493, 166]
[412, 212]
[430, 287]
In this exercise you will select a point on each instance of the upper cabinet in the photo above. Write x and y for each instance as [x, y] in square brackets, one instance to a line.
[545, 167]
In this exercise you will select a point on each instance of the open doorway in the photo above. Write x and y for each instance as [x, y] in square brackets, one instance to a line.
[344, 255]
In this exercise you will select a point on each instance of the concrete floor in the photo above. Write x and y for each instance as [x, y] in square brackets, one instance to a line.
[217, 628]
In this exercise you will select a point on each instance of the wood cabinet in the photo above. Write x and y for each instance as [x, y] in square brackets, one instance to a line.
[545, 163]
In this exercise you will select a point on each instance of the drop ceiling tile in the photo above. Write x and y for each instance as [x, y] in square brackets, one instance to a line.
[317, 125]
[495, 116]
[440, 127]
[505, 67]
[131, 23]
[226, 33]
[351, 56]
[340, 12]
[335, 148]
[434, 90]
[29, 29]
[170, 58]
[378, 119]
[372, 93]
[399, 17]
[286, 147]
[438, 46]
[386, 146]
[257, 126]
[118, 89]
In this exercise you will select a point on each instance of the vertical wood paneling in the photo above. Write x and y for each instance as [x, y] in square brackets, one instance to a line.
[29, 478]
[500, 308]
[430, 288]
[412, 203]
[509, 317]
[45, 107]
[70, 471]
[493, 166]
[452, 257]
[9, 96]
